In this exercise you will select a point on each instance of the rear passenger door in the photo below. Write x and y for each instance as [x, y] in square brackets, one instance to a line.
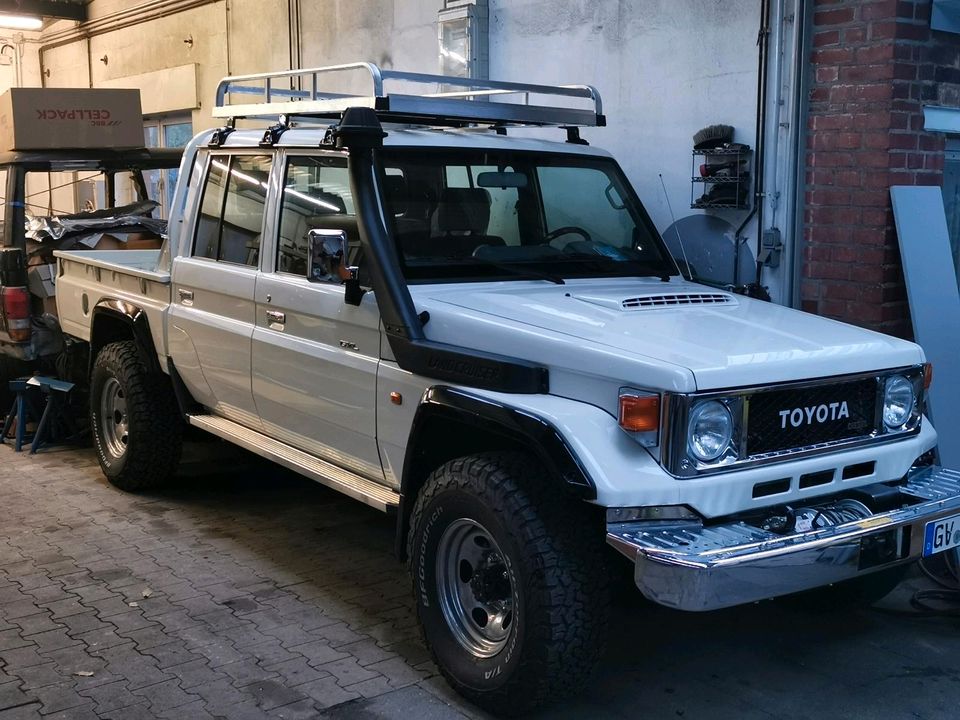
[315, 357]
[212, 310]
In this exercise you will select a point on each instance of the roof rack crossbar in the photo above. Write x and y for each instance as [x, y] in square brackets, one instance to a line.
[457, 101]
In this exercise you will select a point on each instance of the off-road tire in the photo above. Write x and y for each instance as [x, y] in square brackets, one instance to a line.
[557, 565]
[860, 592]
[155, 430]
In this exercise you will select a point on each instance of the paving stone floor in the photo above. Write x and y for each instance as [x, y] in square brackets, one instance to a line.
[243, 591]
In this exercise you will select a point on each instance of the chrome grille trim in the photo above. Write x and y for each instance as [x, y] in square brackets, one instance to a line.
[645, 302]
[672, 449]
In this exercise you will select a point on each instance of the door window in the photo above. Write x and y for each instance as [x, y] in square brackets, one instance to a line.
[316, 194]
[230, 226]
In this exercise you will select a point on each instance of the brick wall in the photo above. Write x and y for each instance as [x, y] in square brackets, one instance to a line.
[874, 63]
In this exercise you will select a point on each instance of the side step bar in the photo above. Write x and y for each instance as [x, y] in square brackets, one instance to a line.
[359, 488]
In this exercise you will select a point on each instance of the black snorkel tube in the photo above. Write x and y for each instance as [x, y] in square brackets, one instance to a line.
[360, 133]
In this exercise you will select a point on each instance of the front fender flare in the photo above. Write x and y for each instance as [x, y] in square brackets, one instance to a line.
[518, 426]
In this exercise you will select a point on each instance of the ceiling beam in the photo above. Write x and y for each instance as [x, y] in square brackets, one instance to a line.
[45, 8]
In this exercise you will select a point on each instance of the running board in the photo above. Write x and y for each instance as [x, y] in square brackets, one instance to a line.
[355, 486]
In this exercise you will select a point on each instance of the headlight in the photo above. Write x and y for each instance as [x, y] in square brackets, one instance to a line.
[898, 401]
[709, 430]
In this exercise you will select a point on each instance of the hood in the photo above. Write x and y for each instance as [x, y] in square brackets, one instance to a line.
[724, 340]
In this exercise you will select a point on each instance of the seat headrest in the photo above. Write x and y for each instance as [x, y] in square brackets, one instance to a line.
[396, 191]
[462, 209]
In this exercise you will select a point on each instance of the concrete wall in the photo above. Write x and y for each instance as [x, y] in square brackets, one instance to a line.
[665, 68]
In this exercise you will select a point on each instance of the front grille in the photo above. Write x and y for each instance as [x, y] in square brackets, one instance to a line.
[827, 414]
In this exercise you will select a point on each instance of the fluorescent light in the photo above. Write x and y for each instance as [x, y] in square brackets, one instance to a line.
[20, 22]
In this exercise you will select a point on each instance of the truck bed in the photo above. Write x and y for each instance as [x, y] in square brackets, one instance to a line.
[85, 278]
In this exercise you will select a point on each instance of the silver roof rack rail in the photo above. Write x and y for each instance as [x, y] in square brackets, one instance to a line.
[450, 101]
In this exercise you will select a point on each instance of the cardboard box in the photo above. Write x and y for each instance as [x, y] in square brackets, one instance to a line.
[52, 118]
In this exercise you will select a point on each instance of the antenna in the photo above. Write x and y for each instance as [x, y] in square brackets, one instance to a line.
[683, 251]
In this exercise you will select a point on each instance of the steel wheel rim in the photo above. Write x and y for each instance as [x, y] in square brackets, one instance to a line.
[114, 423]
[475, 588]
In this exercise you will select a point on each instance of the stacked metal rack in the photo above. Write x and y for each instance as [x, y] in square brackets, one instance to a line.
[404, 97]
[722, 177]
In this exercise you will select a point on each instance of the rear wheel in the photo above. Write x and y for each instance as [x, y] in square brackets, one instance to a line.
[509, 581]
[136, 427]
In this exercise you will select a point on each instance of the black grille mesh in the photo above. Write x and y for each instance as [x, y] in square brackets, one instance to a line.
[766, 432]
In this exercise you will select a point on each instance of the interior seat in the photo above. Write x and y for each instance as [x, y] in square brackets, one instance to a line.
[461, 221]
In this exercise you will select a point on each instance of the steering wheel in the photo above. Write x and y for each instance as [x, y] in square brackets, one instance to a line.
[566, 230]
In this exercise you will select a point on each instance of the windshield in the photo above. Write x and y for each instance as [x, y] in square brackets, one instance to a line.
[481, 215]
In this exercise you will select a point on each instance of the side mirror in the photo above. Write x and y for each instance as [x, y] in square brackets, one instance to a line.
[327, 257]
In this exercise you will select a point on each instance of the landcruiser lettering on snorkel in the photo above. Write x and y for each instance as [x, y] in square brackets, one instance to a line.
[462, 367]
[814, 413]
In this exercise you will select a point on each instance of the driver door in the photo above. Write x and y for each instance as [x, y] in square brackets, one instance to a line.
[315, 357]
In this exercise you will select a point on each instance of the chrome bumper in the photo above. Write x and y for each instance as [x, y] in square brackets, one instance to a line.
[691, 567]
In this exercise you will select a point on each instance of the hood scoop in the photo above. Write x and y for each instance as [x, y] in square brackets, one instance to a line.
[644, 302]
[653, 301]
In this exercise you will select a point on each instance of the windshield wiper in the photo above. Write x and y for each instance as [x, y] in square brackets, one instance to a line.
[512, 269]
[638, 267]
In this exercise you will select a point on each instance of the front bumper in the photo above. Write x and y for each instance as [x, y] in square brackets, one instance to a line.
[687, 566]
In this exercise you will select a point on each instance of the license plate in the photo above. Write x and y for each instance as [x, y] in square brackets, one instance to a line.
[941, 535]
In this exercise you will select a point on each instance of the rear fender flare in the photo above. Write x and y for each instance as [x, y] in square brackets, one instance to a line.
[111, 313]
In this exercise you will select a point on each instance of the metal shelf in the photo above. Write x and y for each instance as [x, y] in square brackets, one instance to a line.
[725, 151]
[718, 206]
[414, 98]
[718, 180]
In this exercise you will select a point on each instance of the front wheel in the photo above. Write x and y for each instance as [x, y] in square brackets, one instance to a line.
[136, 428]
[509, 581]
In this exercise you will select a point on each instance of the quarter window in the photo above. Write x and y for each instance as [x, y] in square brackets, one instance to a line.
[230, 227]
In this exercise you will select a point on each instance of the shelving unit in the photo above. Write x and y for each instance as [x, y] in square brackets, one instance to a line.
[720, 178]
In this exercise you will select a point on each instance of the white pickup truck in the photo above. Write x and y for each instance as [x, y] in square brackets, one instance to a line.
[484, 334]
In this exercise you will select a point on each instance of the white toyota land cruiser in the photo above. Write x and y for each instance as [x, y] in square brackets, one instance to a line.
[485, 335]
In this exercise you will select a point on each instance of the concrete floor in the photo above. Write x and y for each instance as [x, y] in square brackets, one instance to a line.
[243, 591]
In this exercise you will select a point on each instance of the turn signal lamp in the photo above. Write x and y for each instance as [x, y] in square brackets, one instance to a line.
[639, 413]
[927, 375]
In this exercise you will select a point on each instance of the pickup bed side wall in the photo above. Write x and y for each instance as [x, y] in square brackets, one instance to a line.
[81, 288]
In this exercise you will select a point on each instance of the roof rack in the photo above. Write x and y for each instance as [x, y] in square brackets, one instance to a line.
[452, 101]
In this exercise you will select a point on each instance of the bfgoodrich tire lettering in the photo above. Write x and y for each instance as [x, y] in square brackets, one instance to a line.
[137, 431]
[541, 564]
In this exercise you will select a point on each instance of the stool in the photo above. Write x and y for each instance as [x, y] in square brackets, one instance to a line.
[53, 422]
[56, 422]
[25, 408]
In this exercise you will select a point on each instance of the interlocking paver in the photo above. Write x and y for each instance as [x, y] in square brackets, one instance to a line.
[269, 694]
[298, 671]
[165, 695]
[318, 652]
[348, 671]
[326, 692]
[112, 696]
[194, 673]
